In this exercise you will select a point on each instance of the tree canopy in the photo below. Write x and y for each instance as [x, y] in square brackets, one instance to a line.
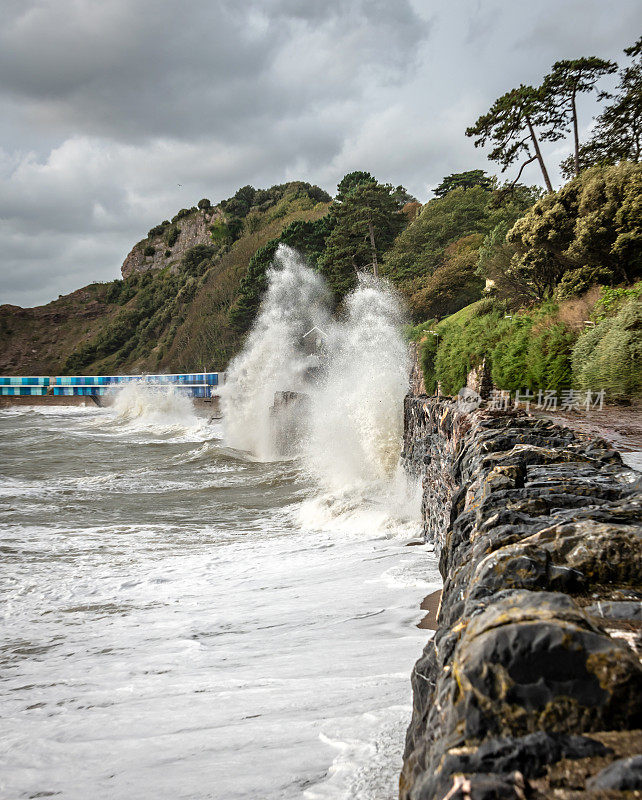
[453, 285]
[595, 221]
[351, 181]
[561, 87]
[464, 180]
[510, 126]
[419, 249]
[617, 134]
[366, 223]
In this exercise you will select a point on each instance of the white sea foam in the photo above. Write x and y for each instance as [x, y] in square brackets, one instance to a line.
[356, 413]
[156, 410]
[186, 608]
[273, 358]
[368, 761]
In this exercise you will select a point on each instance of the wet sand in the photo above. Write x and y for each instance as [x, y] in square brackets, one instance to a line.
[430, 603]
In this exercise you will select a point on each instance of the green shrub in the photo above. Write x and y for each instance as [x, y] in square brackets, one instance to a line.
[150, 250]
[612, 298]
[197, 259]
[219, 232]
[528, 351]
[462, 346]
[113, 292]
[158, 230]
[509, 356]
[577, 281]
[240, 204]
[609, 356]
[172, 235]
[253, 222]
[592, 221]
[184, 212]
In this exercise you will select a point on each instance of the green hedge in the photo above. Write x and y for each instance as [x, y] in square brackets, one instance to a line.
[525, 351]
[609, 356]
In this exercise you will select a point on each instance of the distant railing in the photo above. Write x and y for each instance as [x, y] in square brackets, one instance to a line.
[195, 384]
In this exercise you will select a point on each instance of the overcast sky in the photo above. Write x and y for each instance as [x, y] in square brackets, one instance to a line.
[106, 106]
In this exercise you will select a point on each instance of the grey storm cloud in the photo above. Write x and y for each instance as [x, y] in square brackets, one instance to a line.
[106, 107]
[137, 70]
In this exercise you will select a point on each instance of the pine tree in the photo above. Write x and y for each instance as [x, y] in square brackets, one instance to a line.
[464, 180]
[511, 127]
[561, 87]
[617, 135]
[352, 181]
[367, 221]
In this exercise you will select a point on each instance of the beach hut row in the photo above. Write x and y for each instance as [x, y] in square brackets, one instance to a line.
[195, 384]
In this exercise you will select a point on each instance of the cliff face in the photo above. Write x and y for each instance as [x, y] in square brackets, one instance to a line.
[532, 685]
[168, 246]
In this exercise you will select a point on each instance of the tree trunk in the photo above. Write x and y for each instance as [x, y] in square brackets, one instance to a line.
[375, 265]
[538, 153]
[576, 135]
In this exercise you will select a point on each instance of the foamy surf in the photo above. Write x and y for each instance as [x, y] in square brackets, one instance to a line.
[167, 611]
[367, 761]
[161, 411]
[350, 420]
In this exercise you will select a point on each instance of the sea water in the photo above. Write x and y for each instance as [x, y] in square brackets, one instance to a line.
[187, 614]
[180, 620]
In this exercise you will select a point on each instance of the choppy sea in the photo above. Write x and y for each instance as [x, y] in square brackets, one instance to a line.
[180, 620]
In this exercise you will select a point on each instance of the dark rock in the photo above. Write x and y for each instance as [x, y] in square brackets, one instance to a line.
[622, 609]
[526, 515]
[527, 755]
[622, 775]
[473, 787]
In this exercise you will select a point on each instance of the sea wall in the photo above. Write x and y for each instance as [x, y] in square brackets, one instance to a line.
[532, 684]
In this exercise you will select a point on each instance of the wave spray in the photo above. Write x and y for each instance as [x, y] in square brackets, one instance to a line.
[349, 405]
[274, 358]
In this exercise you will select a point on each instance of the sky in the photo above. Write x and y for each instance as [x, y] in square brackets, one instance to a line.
[114, 114]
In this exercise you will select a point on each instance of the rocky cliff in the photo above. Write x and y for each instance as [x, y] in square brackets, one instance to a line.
[532, 685]
[167, 243]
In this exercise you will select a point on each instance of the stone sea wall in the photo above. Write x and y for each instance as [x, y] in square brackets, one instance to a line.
[532, 684]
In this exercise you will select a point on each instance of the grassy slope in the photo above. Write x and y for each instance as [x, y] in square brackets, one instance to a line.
[547, 346]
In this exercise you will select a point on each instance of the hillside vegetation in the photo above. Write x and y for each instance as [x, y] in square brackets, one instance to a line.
[563, 308]
[170, 312]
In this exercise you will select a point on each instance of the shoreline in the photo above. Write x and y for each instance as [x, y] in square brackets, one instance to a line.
[87, 401]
